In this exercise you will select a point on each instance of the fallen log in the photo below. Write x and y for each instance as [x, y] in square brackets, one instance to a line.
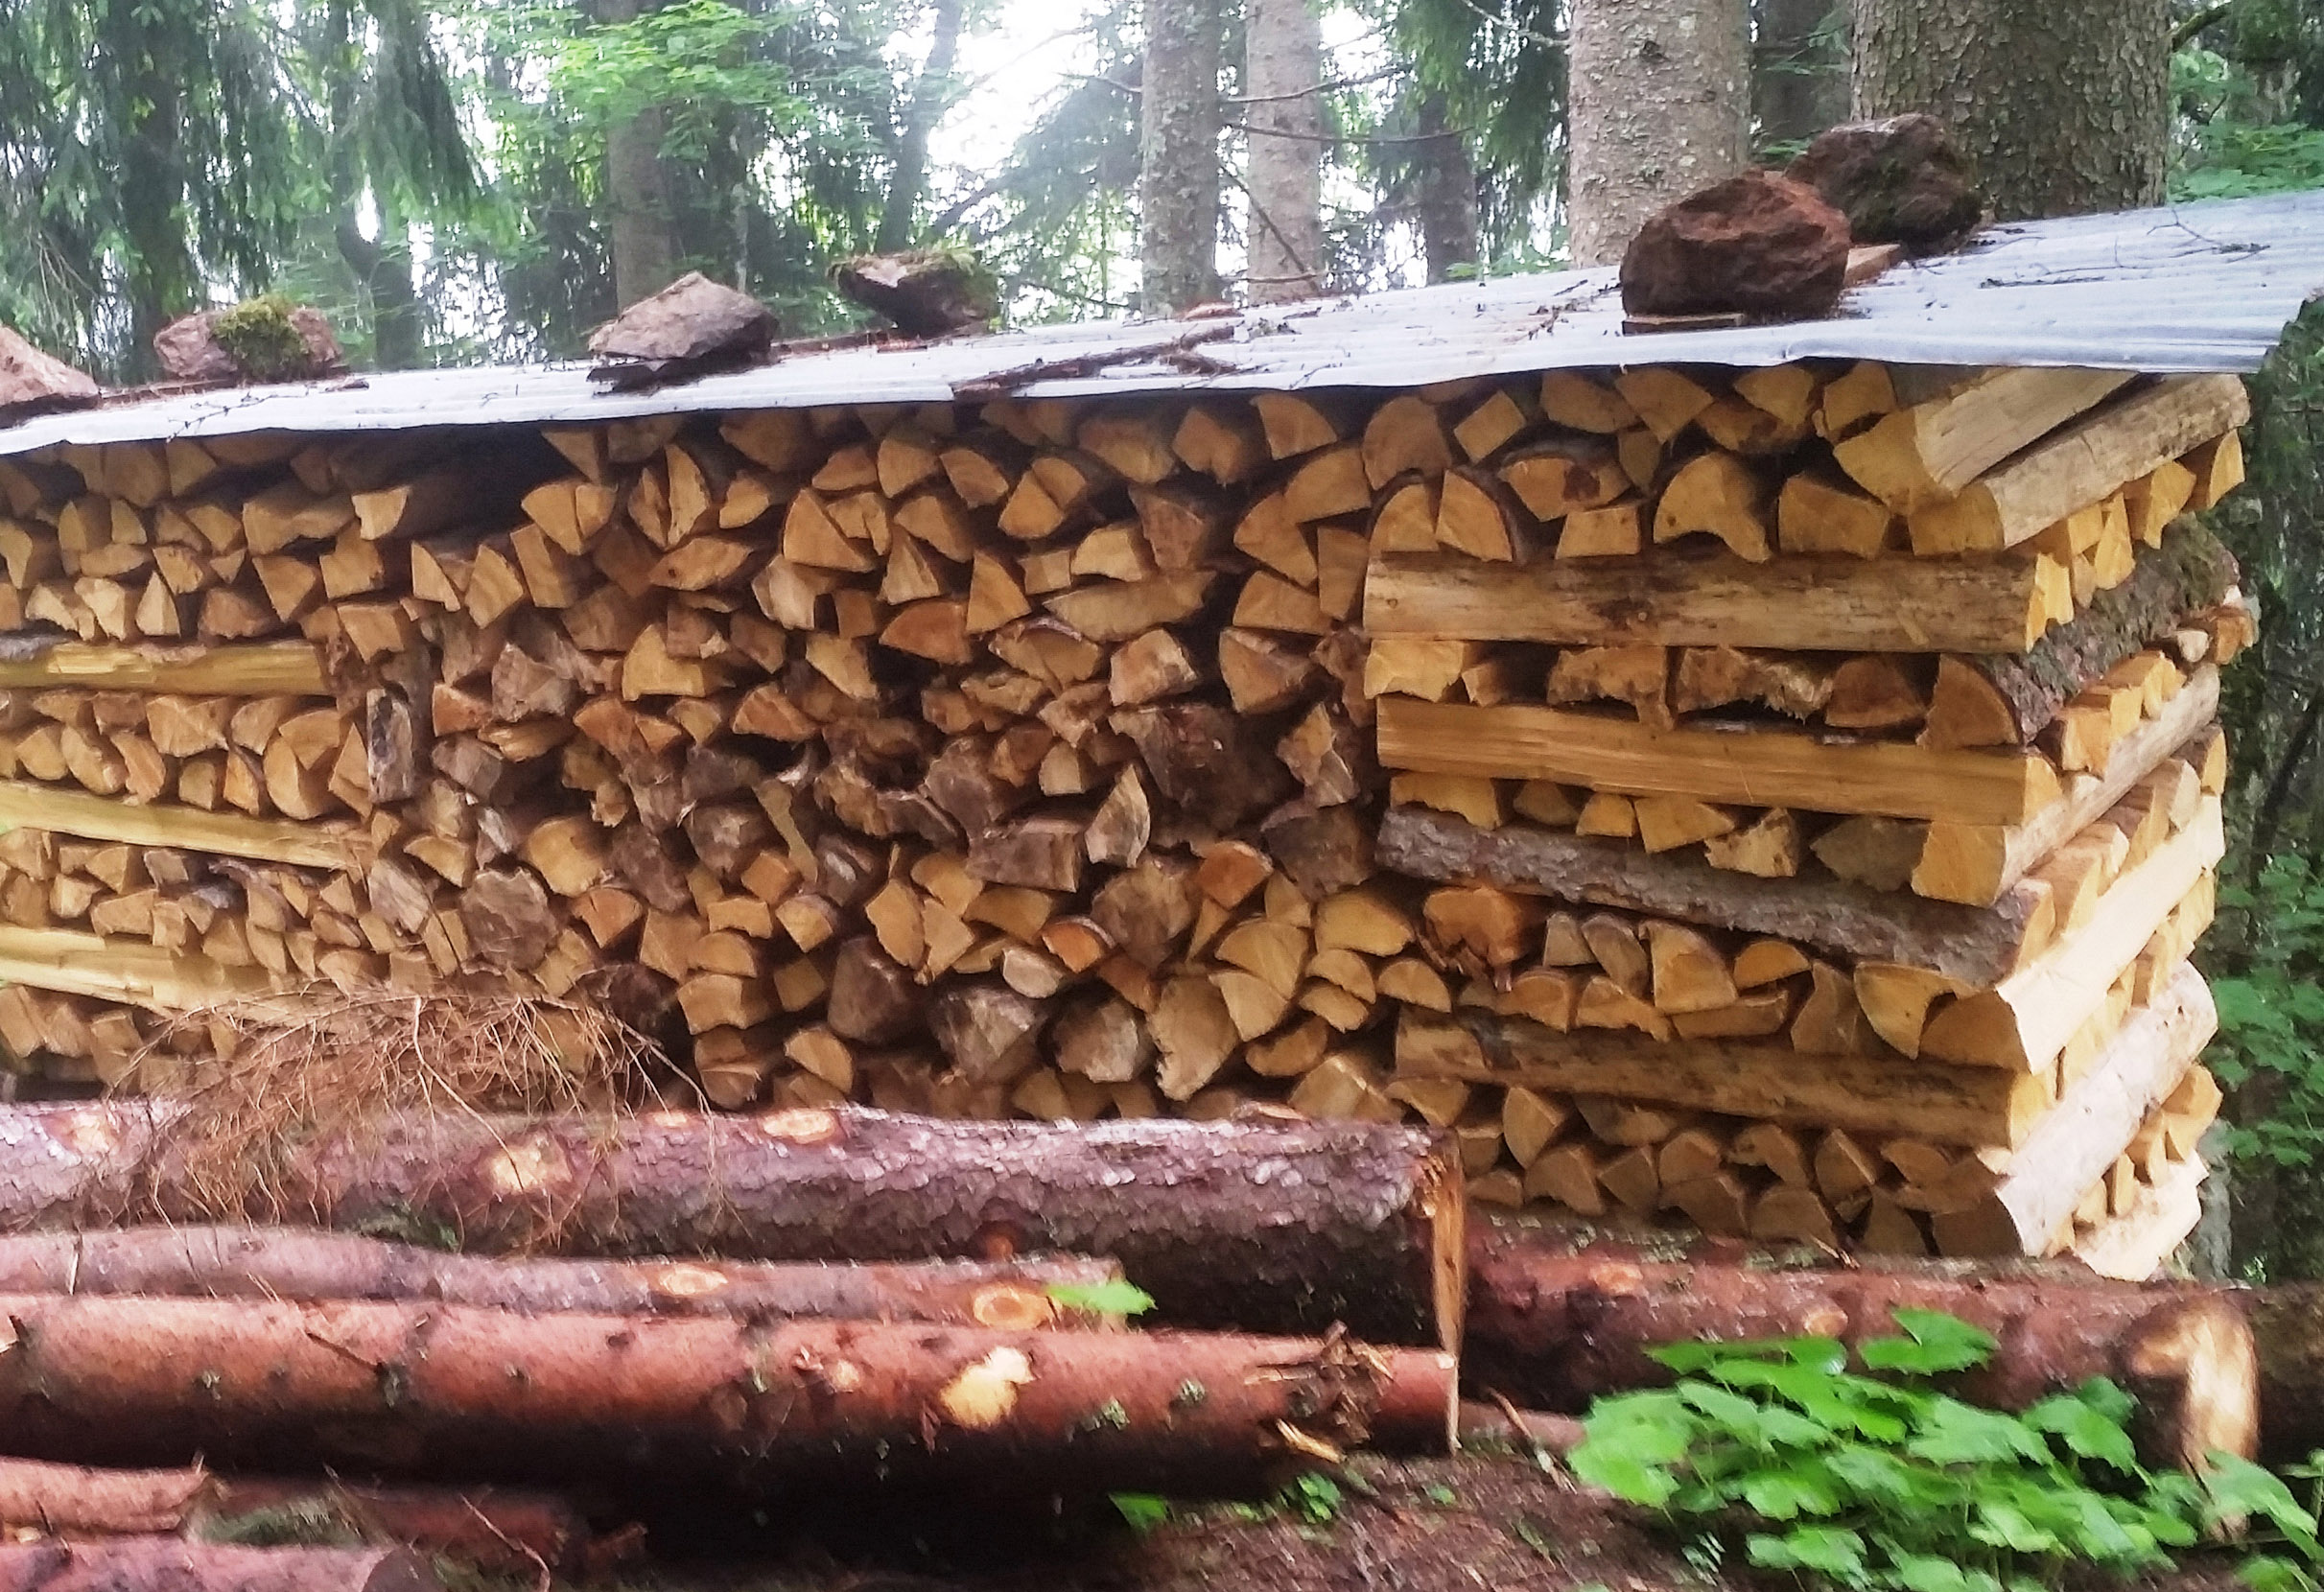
[415, 1388]
[303, 1265]
[1556, 1329]
[124, 1563]
[2288, 1323]
[1265, 1224]
[493, 1530]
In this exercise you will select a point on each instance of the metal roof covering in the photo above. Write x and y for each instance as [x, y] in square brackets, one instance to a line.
[2195, 287]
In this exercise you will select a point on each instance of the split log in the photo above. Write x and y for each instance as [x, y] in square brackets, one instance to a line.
[1368, 1235]
[159, 1561]
[1555, 1330]
[304, 1265]
[415, 1388]
[1993, 698]
[1841, 604]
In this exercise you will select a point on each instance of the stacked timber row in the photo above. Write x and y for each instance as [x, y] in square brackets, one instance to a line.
[1823, 775]
[1777, 798]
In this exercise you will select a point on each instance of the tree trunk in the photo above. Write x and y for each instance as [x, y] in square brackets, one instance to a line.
[1178, 182]
[384, 269]
[429, 1387]
[1262, 1226]
[1660, 108]
[1799, 85]
[301, 1264]
[1555, 1330]
[495, 1530]
[2063, 107]
[641, 200]
[1283, 77]
[1447, 183]
[908, 181]
[155, 1561]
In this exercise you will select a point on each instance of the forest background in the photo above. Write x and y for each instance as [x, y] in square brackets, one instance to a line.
[460, 182]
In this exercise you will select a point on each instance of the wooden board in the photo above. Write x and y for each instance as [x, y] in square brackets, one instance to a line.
[1757, 767]
[1833, 604]
[1886, 1096]
[272, 668]
[88, 818]
[70, 962]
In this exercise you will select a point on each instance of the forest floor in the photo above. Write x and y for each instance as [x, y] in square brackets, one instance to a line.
[1475, 1524]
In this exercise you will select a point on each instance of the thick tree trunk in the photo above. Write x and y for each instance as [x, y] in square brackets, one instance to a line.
[430, 1388]
[1799, 85]
[1178, 181]
[304, 1265]
[1447, 183]
[2064, 106]
[492, 1530]
[1283, 77]
[641, 200]
[1658, 93]
[1556, 1329]
[165, 1561]
[384, 269]
[1977, 945]
[908, 183]
[1262, 1225]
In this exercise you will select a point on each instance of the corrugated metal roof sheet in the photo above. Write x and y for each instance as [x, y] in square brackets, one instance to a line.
[2196, 287]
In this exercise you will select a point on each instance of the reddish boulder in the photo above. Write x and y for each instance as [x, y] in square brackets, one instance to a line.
[1898, 181]
[31, 381]
[690, 328]
[1760, 243]
[266, 338]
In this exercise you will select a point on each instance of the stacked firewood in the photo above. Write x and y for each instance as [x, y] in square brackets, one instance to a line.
[1075, 759]
[1828, 765]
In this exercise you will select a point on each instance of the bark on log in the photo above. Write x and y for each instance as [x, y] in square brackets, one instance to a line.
[421, 1388]
[302, 1265]
[2289, 1324]
[1555, 1330]
[1979, 946]
[2190, 571]
[497, 1531]
[135, 1563]
[1259, 1225]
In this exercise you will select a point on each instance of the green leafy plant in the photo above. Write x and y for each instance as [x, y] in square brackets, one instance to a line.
[1875, 1478]
[2271, 1015]
[1314, 1498]
[1140, 1512]
[1117, 1297]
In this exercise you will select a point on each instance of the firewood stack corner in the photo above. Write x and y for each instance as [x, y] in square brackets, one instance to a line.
[1779, 798]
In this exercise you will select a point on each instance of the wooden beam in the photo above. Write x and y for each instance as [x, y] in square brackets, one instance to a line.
[1927, 453]
[1840, 604]
[1975, 863]
[89, 817]
[1979, 946]
[269, 668]
[1884, 1097]
[2081, 464]
[71, 962]
[1759, 767]
[2031, 1200]
[2025, 1021]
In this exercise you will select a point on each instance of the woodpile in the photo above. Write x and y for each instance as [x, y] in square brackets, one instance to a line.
[1782, 800]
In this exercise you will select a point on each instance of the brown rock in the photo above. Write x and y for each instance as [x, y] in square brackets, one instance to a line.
[1898, 181]
[266, 338]
[926, 293]
[1759, 243]
[31, 381]
[691, 326]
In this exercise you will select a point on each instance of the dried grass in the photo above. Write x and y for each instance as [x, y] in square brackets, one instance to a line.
[270, 1075]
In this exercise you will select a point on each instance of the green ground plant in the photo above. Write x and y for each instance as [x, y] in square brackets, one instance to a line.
[1872, 1477]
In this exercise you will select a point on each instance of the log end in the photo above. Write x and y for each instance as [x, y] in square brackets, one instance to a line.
[2195, 1365]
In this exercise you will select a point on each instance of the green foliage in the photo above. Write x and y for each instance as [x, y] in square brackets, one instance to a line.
[2225, 150]
[1115, 1297]
[2272, 1014]
[1875, 1478]
[1140, 1512]
[258, 335]
[1314, 1498]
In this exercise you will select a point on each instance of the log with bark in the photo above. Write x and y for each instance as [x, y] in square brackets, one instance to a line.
[1556, 1329]
[413, 1389]
[120, 1563]
[303, 1265]
[1256, 1223]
